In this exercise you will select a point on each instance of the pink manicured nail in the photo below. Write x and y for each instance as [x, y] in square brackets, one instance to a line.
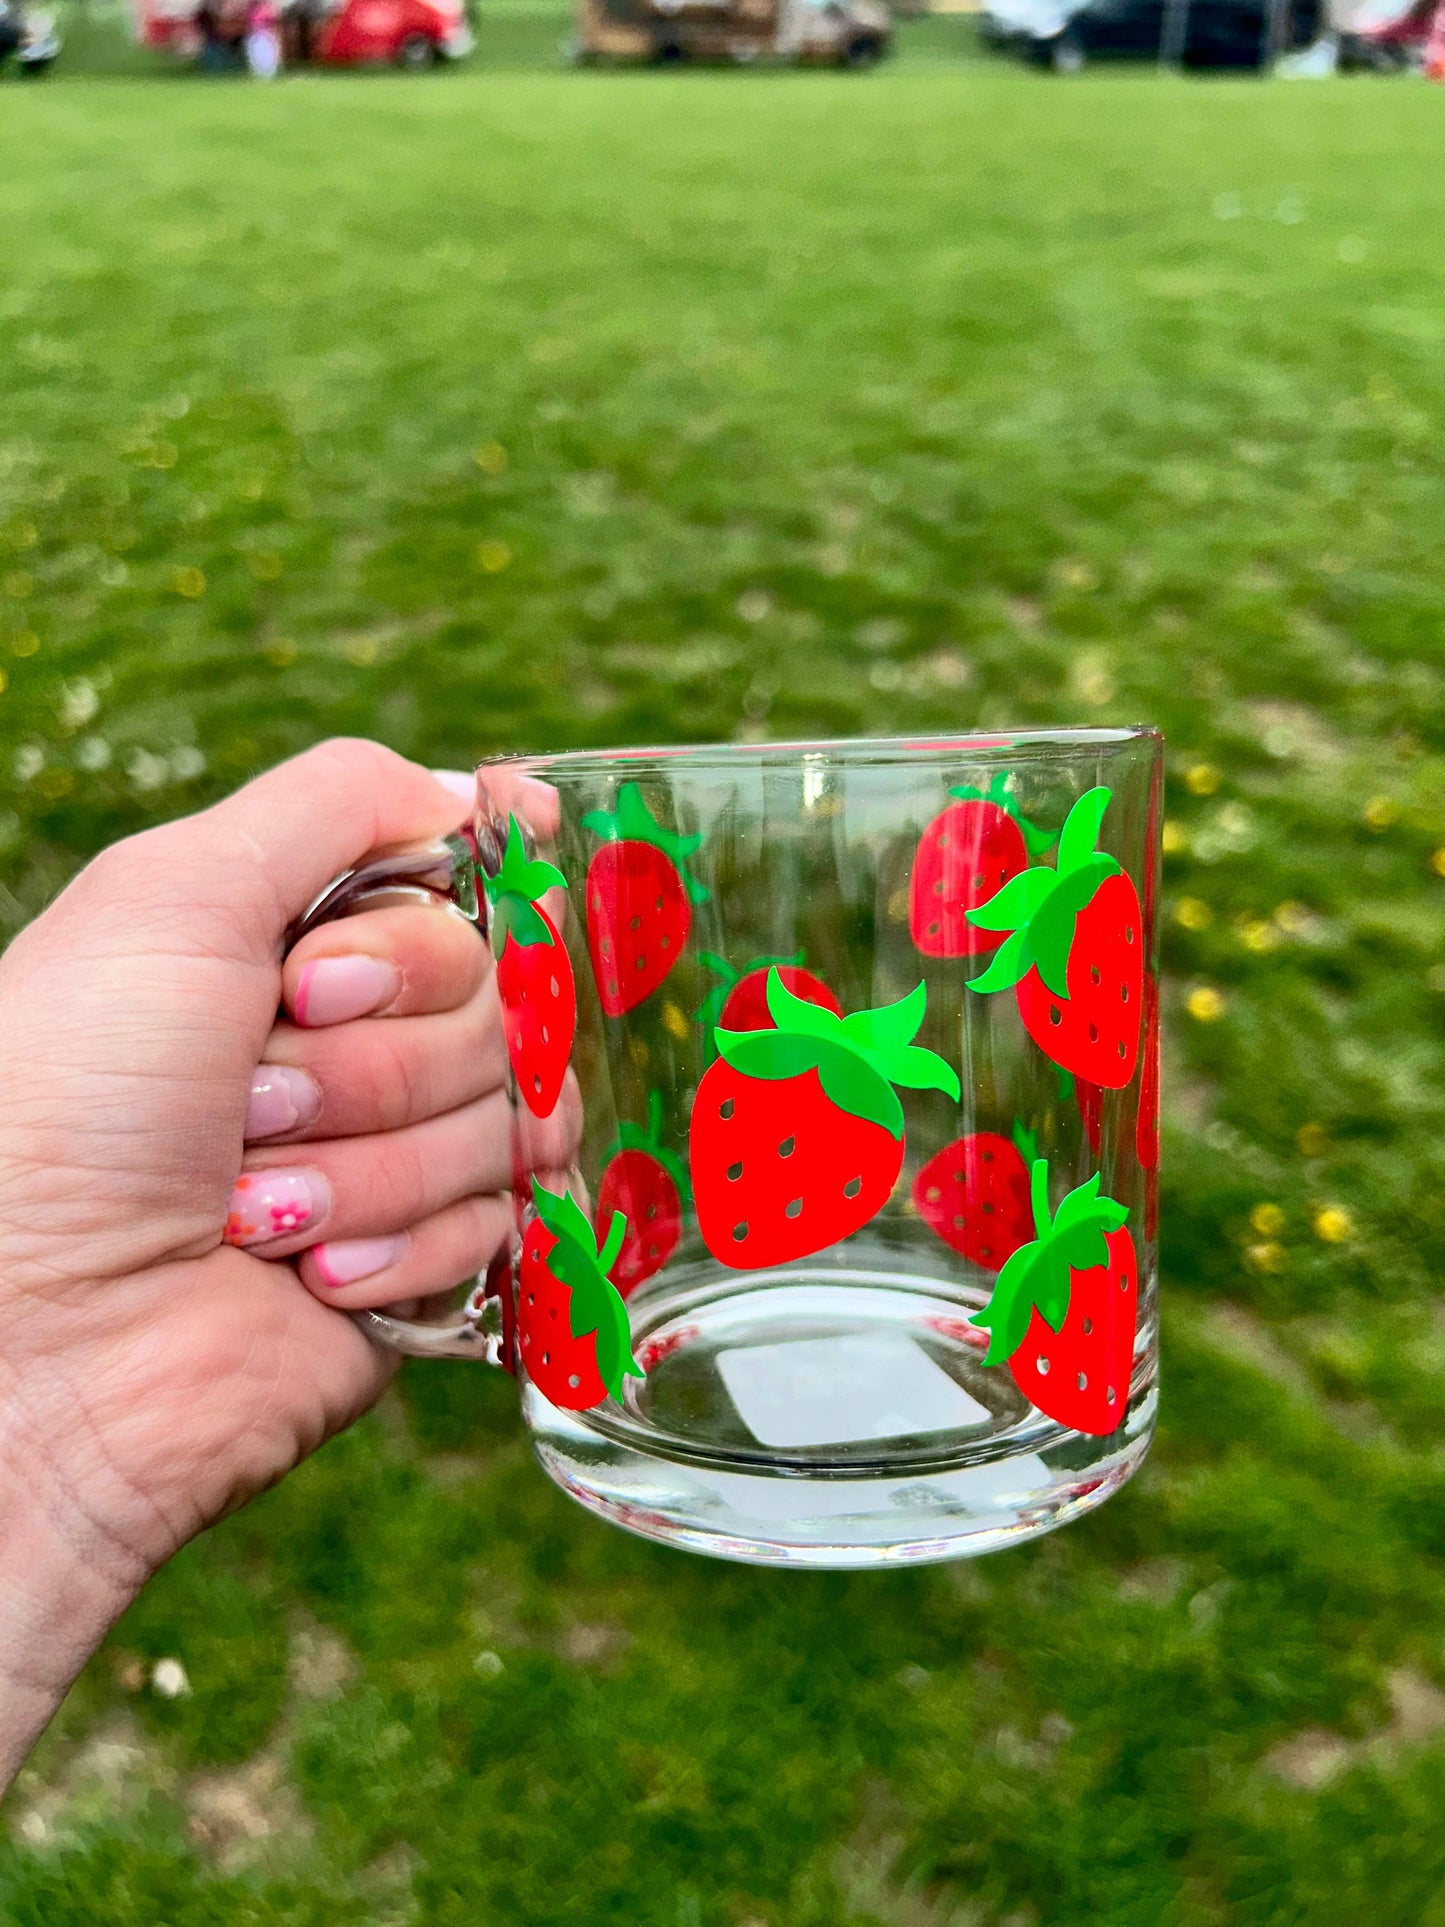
[281, 1100]
[343, 1260]
[275, 1204]
[461, 783]
[335, 989]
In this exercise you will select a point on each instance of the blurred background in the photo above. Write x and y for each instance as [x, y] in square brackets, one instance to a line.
[502, 405]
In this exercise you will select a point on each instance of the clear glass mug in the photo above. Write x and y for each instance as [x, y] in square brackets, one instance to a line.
[856, 1261]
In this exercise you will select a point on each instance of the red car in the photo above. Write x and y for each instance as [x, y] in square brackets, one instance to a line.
[401, 33]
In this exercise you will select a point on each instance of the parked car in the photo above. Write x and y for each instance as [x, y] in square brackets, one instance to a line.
[402, 33]
[1065, 36]
[29, 39]
[834, 33]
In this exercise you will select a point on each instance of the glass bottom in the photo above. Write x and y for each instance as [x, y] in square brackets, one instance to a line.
[830, 1417]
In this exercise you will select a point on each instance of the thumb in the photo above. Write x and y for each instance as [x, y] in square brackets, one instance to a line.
[276, 843]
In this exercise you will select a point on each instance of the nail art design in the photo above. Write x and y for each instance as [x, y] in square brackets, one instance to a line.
[270, 1204]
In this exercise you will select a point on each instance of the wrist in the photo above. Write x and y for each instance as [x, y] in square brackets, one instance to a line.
[64, 1581]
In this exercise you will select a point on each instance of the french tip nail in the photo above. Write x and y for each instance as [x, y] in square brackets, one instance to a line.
[333, 990]
[345, 1261]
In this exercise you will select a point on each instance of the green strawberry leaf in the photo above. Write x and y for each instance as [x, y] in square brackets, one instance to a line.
[768, 1054]
[854, 1086]
[1080, 834]
[1016, 902]
[1012, 962]
[513, 893]
[1037, 1276]
[564, 1218]
[1051, 931]
[891, 1025]
[1026, 1143]
[612, 1243]
[796, 1014]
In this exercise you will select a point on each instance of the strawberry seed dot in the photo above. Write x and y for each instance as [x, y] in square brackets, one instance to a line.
[606, 947]
[933, 929]
[1123, 993]
[740, 1231]
[938, 888]
[546, 1358]
[1083, 1382]
[978, 881]
[1041, 1366]
[735, 1171]
[1111, 1395]
[787, 1147]
[943, 840]
[726, 1108]
[988, 1210]
[1056, 1016]
[852, 1187]
[574, 1381]
[663, 943]
[1094, 976]
[1123, 1281]
[636, 924]
[1128, 933]
[1088, 1326]
[651, 1211]
[793, 1209]
[1123, 1048]
[639, 963]
[959, 1222]
[933, 1194]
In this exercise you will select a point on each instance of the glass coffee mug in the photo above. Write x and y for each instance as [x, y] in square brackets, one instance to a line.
[856, 1263]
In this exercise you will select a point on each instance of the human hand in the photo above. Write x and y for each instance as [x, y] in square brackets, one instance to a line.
[161, 1362]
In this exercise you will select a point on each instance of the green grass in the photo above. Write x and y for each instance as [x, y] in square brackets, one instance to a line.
[934, 398]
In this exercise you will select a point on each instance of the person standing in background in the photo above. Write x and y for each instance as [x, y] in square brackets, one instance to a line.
[263, 40]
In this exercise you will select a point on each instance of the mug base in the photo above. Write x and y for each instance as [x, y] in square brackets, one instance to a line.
[825, 1417]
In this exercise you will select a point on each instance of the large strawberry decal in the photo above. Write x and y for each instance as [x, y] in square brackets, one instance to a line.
[740, 1000]
[967, 854]
[534, 973]
[797, 1130]
[974, 1194]
[648, 1186]
[572, 1327]
[1065, 1307]
[1074, 955]
[639, 900]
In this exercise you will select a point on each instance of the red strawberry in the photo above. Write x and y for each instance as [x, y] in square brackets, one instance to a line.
[975, 1194]
[647, 1184]
[572, 1329]
[534, 974]
[740, 1001]
[1065, 1307]
[797, 1131]
[639, 900]
[966, 855]
[1075, 953]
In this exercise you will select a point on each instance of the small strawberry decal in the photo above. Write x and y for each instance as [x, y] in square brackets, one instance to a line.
[975, 1195]
[797, 1132]
[534, 973]
[740, 1001]
[572, 1327]
[1065, 1307]
[1075, 953]
[648, 1186]
[967, 854]
[639, 900]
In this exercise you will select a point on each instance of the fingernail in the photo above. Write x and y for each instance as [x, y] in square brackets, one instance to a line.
[334, 989]
[275, 1204]
[460, 782]
[281, 1100]
[343, 1260]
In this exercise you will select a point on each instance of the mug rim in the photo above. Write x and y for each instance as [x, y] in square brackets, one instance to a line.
[911, 749]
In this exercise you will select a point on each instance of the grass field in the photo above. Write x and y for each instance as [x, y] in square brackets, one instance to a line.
[507, 408]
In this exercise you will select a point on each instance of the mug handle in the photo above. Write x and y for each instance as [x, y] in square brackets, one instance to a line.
[443, 873]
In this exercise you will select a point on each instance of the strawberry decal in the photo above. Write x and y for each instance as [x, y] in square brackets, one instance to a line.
[639, 900]
[975, 1195]
[740, 1001]
[534, 973]
[1065, 1306]
[1074, 955]
[572, 1328]
[797, 1130]
[647, 1186]
[966, 855]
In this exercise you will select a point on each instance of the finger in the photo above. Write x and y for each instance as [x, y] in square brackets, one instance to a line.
[544, 1143]
[434, 1255]
[395, 962]
[377, 1074]
[365, 1187]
